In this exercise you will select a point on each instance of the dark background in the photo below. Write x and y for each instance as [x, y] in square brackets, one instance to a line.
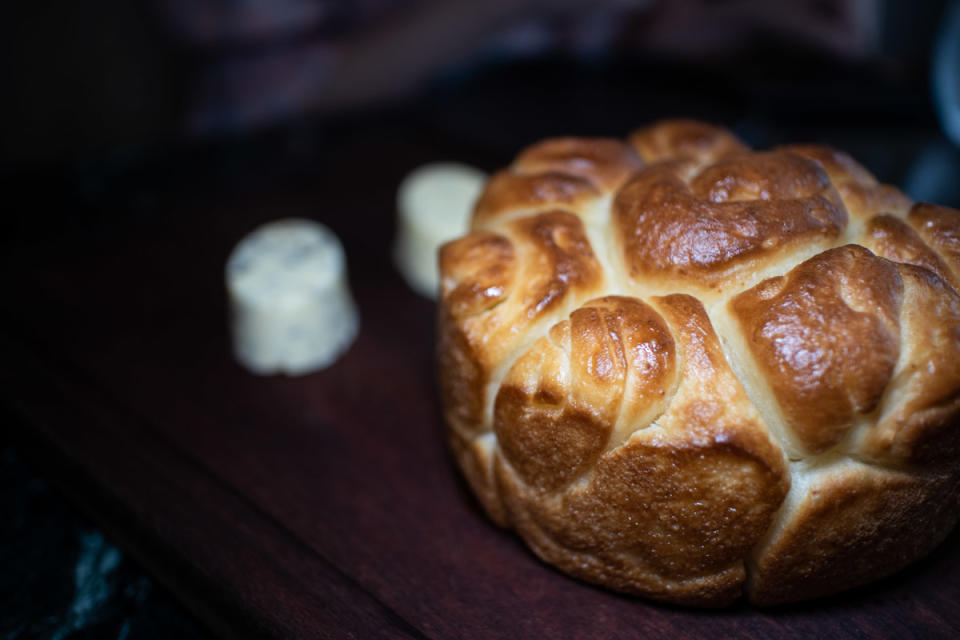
[115, 111]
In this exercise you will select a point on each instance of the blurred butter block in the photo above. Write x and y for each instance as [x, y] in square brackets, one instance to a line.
[291, 307]
[434, 203]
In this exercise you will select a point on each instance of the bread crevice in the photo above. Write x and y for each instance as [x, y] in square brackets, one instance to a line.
[738, 356]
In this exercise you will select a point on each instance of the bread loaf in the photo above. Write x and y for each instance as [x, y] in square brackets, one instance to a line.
[690, 371]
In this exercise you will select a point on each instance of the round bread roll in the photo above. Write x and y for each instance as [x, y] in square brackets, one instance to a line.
[689, 371]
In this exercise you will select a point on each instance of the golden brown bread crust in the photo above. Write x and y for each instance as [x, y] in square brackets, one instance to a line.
[919, 429]
[894, 239]
[684, 139]
[852, 524]
[723, 373]
[940, 228]
[708, 227]
[612, 361]
[826, 336]
[496, 287]
[511, 193]
[646, 502]
[567, 173]
[603, 161]
[862, 195]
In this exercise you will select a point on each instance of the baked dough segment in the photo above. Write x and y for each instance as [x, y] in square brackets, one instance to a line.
[921, 409]
[671, 511]
[606, 371]
[849, 523]
[684, 139]
[498, 288]
[570, 173]
[894, 239]
[862, 194]
[496, 291]
[515, 194]
[713, 229]
[890, 495]
[605, 162]
[826, 338]
[940, 228]
[479, 274]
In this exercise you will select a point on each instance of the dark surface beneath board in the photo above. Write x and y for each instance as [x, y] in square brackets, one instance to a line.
[327, 505]
[63, 578]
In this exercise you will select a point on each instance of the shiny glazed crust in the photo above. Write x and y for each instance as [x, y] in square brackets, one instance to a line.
[689, 371]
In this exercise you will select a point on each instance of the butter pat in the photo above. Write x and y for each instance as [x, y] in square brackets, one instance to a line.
[434, 204]
[291, 308]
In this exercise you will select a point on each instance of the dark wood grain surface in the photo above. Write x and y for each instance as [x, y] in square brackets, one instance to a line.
[327, 505]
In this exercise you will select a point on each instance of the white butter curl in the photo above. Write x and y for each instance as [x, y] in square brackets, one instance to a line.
[291, 307]
[434, 204]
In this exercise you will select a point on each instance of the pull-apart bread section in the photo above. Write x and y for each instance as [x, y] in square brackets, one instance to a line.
[693, 372]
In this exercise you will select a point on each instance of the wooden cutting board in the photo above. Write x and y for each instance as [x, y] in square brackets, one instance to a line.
[327, 505]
